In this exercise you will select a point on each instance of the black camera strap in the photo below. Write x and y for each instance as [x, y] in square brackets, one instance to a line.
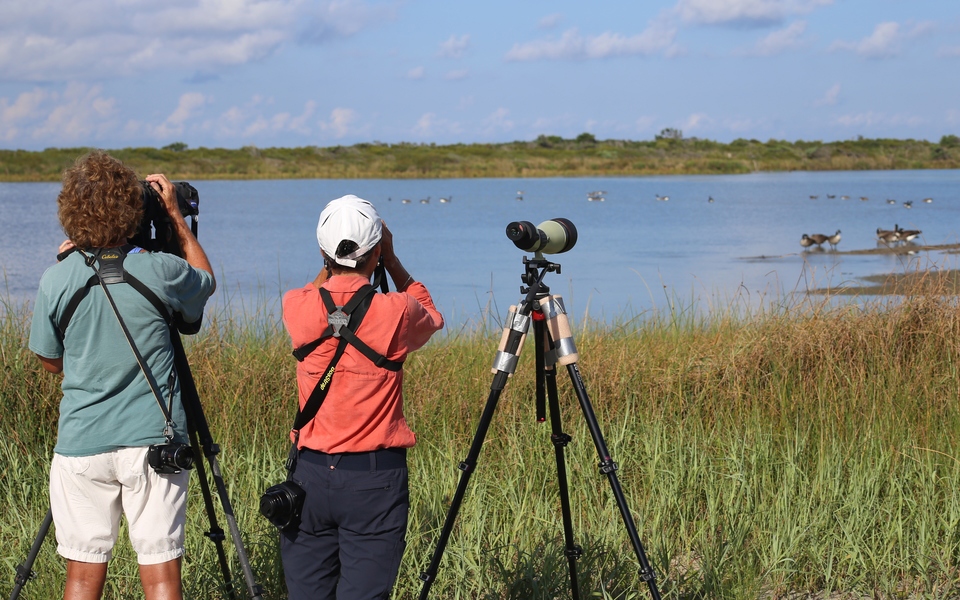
[343, 322]
[111, 271]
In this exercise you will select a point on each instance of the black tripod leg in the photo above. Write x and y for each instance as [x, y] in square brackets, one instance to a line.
[197, 424]
[215, 533]
[504, 364]
[560, 440]
[562, 336]
[25, 569]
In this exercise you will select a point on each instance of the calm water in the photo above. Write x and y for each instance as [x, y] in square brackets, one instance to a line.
[634, 253]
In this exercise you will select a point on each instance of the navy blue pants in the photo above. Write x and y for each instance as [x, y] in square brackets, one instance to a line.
[352, 532]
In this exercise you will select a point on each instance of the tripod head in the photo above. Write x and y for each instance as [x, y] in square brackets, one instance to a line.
[535, 269]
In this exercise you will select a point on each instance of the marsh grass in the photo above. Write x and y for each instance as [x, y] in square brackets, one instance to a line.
[804, 451]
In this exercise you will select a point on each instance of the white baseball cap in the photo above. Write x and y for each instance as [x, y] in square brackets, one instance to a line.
[349, 218]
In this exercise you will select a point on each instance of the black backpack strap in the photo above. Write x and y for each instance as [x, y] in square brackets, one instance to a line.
[75, 301]
[342, 316]
[111, 268]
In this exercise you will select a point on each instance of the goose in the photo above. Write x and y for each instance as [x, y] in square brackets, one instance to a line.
[805, 241]
[425, 200]
[927, 200]
[405, 201]
[818, 239]
[831, 196]
[662, 198]
[519, 195]
[812, 197]
[844, 197]
[864, 198]
[446, 200]
[710, 199]
[891, 201]
[907, 235]
[888, 237]
[834, 240]
[908, 204]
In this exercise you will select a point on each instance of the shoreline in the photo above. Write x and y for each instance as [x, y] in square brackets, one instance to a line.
[546, 156]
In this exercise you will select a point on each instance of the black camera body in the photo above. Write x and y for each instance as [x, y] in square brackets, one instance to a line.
[155, 232]
[170, 458]
[282, 504]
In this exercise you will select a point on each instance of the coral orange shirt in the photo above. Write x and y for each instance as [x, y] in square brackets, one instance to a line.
[363, 410]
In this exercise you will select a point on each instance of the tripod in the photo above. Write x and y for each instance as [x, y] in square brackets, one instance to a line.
[549, 316]
[202, 442]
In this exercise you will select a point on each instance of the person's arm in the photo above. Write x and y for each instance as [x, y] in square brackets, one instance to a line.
[53, 365]
[192, 251]
[401, 278]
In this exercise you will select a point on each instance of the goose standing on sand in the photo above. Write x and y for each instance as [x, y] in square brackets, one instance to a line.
[907, 235]
[834, 240]
[886, 236]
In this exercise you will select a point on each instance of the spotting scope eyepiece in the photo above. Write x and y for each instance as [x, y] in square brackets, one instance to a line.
[550, 237]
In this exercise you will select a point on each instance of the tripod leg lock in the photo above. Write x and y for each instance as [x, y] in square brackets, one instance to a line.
[215, 534]
[648, 574]
[560, 439]
[24, 575]
[465, 467]
[607, 466]
[574, 552]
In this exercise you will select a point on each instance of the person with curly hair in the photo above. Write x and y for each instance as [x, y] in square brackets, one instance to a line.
[109, 413]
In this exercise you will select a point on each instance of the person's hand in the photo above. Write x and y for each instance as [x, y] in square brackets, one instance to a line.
[65, 245]
[386, 244]
[168, 195]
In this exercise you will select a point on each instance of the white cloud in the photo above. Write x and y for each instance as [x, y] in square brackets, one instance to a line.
[187, 108]
[872, 119]
[550, 21]
[949, 51]
[885, 42]
[429, 126]
[781, 40]
[830, 97]
[416, 73]
[340, 123]
[42, 41]
[454, 47]
[573, 46]
[456, 74]
[80, 112]
[744, 12]
[696, 121]
[497, 122]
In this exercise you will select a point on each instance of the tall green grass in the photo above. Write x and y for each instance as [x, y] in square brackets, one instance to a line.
[801, 451]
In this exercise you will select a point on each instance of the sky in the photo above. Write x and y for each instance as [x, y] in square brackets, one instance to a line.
[292, 73]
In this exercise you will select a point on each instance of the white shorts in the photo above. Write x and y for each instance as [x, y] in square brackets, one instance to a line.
[89, 493]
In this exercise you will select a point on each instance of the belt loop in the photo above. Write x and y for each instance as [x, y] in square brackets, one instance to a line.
[373, 461]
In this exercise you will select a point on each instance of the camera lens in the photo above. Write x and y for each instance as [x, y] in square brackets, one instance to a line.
[281, 504]
[180, 456]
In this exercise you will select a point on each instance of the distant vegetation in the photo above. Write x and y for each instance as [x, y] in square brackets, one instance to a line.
[547, 156]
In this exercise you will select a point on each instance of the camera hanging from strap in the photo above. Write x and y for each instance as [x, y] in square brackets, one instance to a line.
[342, 323]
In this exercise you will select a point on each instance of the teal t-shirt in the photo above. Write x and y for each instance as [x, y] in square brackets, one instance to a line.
[107, 402]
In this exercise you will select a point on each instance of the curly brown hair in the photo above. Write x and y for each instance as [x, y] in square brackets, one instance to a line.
[101, 202]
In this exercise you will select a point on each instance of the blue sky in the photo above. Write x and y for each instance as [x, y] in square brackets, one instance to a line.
[232, 73]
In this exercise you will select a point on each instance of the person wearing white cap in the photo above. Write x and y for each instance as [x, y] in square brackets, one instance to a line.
[351, 458]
